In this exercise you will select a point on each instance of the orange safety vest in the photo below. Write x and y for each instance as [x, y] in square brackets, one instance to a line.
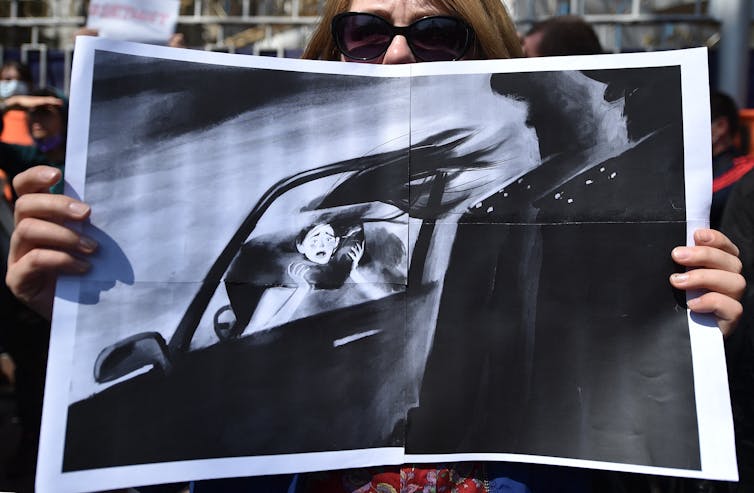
[7, 190]
[16, 128]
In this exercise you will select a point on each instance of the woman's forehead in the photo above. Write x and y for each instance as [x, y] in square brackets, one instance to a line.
[399, 10]
[46, 111]
[9, 72]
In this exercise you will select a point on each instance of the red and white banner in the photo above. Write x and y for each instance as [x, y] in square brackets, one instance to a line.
[134, 20]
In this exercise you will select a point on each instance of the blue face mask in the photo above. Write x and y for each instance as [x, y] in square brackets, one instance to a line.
[10, 88]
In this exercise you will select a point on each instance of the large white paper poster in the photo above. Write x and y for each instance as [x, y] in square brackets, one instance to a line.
[134, 20]
[317, 265]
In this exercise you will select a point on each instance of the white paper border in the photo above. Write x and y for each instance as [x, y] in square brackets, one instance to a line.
[712, 399]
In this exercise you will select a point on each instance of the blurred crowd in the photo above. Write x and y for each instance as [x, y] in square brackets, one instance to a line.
[33, 131]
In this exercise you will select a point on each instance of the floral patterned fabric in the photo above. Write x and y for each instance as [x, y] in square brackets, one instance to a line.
[487, 477]
[460, 478]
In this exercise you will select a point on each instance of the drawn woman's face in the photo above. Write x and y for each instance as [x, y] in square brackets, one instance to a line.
[319, 244]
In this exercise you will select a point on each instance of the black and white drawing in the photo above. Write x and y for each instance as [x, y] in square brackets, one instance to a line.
[310, 266]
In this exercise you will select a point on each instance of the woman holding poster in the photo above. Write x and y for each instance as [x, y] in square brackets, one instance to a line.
[370, 31]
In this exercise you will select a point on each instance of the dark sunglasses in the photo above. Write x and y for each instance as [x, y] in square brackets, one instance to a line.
[363, 36]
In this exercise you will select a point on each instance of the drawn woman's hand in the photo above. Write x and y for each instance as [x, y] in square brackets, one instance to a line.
[297, 271]
[355, 254]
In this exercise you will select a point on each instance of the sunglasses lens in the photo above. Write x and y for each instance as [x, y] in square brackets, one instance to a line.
[436, 39]
[362, 36]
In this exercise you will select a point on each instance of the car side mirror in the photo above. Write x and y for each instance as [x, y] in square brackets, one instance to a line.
[131, 354]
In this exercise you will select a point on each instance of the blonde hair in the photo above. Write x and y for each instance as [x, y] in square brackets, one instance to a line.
[495, 33]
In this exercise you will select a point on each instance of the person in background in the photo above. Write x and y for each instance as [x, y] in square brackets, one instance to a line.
[23, 333]
[48, 120]
[16, 98]
[15, 80]
[23, 344]
[45, 117]
[560, 36]
[737, 222]
[7, 365]
[43, 247]
[728, 163]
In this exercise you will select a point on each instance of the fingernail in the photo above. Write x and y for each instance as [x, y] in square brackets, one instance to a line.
[48, 174]
[703, 236]
[87, 244]
[692, 302]
[681, 253]
[78, 208]
[81, 266]
[680, 278]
